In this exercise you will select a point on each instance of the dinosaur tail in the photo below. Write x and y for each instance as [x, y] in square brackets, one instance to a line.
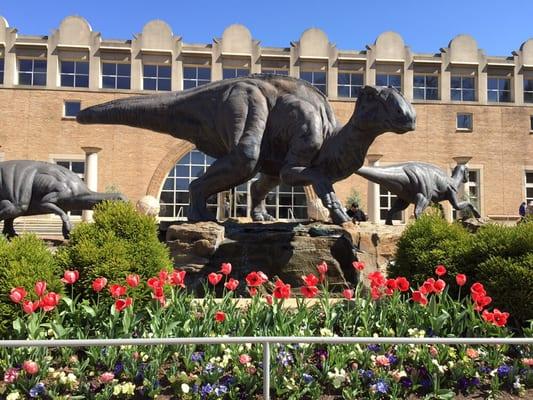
[87, 201]
[150, 112]
[368, 173]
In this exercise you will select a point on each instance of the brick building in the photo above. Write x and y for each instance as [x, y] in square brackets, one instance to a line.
[472, 108]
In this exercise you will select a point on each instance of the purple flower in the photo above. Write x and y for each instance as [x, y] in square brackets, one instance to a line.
[484, 370]
[392, 358]
[206, 389]
[374, 347]
[37, 390]
[284, 358]
[307, 378]
[197, 356]
[406, 382]
[366, 374]
[503, 370]
[119, 367]
[426, 383]
[227, 380]
[220, 390]
[381, 386]
[462, 383]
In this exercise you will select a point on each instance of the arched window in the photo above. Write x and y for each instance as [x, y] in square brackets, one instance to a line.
[284, 202]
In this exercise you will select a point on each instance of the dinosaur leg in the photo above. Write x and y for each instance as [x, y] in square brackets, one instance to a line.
[47, 208]
[245, 113]
[397, 206]
[461, 205]
[8, 213]
[259, 190]
[421, 204]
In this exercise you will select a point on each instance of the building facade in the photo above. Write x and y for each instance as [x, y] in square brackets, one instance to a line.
[472, 108]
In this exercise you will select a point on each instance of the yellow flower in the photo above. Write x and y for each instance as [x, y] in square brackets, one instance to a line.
[185, 388]
[13, 396]
[117, 389]
[128, 388]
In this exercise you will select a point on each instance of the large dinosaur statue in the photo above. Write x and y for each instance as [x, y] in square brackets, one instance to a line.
[420, 184]
[35, 187]
[278, 126]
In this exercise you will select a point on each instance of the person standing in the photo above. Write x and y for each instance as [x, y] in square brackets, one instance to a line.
[522, 210]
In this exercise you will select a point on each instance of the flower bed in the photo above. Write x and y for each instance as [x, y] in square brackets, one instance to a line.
[162, 307]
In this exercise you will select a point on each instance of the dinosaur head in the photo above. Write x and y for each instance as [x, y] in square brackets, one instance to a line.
[384, 109]
[461, 170]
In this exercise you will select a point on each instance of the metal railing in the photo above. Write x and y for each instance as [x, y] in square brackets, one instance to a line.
[265, 341]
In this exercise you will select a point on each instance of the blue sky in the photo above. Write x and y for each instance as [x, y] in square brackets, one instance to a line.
[425, 25]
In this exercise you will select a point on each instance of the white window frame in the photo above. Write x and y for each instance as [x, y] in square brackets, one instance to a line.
[426, 87]
[74, 74]
[312, 81]
[2, 70]
[462, 89]
[390, 200]
[351, 86]
[157, 78]
[235, 72]
[527, 170]
[32, 72]
[197, 81]
[478, 169]
[65, 109]
[388, 75]
[499, 91]
[275, 71]
[116, 75]
[528, 91]
[70, 158]
[462, 129]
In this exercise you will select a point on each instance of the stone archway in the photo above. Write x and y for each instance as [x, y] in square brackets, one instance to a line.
[175, 153]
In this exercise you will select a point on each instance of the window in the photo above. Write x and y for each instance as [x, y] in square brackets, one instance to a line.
[315, 78]
[464, 122]
[76, 166]
[386, 200]
[531, 123]
[75, 73]
[393, 80]
[499, 90]
[426, 87]
[156, 77]
[1, 71]
[32, 72]
[275, 71]
[116, 76]
[528, 90]
[228, 73]
[196, 76]
[463, 88]
[72, 108]
[284, 202]
[529, 186]
[349, 84]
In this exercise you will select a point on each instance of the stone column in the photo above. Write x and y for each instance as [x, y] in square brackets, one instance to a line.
[373, 191]
[91, 175]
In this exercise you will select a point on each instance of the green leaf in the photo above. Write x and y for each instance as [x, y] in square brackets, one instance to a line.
[89, 310]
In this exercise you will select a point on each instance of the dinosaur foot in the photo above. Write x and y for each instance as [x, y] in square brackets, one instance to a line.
[262, 216]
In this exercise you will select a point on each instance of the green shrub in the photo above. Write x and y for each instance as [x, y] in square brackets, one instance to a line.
[119, 242]
[23, 262]
[501, 257]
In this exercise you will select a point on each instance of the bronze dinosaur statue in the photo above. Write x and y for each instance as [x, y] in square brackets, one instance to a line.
[420, 184]
[36, 187]
[280, 127]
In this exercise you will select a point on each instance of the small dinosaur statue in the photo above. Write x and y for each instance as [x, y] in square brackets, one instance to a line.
[36, 187]
[280, 127]
[420, 184]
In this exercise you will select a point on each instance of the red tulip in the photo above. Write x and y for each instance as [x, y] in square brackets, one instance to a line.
[375, 292]
[477, 289]
[269, 299]
[429, 285]
[17, 294]
[29, 307]
[117, 290]
[487, 316]
[460, 279]
[256, 278]
[231, 284]
[402, 283]
[358, 265]
[155, 282]
[70, 277]
[309, 291]
[121, 304]
[252, 290]
[225, 269]
[440, 270]
[99, 284]
[500, 319]
[322, 269]
[163, 276]
[310, 280]
[50, 301]
[214, 278]
[177, 278]
[282, 290]
[481, 302]
[420, 297]
[133, 280]
[31, 367]
[220, 316]
[439, 286]
[40, 288]
[377, 279]
[348, 294]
